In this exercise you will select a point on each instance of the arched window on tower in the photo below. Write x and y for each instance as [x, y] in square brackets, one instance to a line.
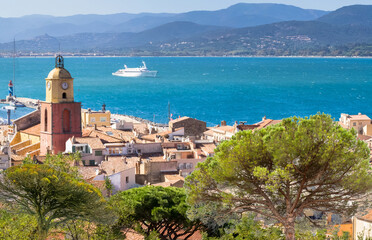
[66, 125]
[64, 95]
[46, 120]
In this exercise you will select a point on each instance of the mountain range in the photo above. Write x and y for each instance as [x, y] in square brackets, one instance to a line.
[242, 29]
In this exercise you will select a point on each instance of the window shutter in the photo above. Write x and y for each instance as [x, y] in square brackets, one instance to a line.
[73, 149]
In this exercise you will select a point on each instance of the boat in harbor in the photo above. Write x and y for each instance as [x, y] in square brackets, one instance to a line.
[135, 72]
[15, 103]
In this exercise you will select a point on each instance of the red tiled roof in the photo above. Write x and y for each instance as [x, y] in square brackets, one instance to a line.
[115, 164]
[359, 117]
[94, 142]
[363, 137]
[34, 130]
[266, 123]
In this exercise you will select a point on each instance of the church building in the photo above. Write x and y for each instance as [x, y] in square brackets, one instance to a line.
[60, 116]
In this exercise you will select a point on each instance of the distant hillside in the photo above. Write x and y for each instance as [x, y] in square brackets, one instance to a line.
[169, 32]
[250, 14]
[351, 15]
[304, 38]
[239, 15]
[236, 16]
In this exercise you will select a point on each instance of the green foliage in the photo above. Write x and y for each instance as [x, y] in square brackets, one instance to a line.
[51, 196]
[307, 230]
[15, 225]
[65, 163]
[213, 218]
[248, 228]
[148, 209]
[282, 170]
[109, 186]
[108, 232]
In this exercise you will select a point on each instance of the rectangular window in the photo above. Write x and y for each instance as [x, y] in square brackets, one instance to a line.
[98, 153]
[354, 124]
[92, 163]
[103, 119]
[80, 149]
[93, 119]
[127, 179]
[83, 162]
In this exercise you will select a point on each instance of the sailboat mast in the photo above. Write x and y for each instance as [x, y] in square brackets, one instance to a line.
[14, 66]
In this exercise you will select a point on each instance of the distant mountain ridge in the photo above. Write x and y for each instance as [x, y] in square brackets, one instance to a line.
[236, 16]
[345, 31]
[351, 15]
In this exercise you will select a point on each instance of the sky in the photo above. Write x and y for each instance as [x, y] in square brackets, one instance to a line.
[17, 8]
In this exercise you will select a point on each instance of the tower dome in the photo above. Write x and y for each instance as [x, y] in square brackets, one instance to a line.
[59, 73]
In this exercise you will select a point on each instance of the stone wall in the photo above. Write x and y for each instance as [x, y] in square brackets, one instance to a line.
[192, 127]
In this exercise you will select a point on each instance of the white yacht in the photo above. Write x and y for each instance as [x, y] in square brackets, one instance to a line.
[135, 72]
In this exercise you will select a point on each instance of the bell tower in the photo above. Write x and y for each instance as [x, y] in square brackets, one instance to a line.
[60, 115]
[59, 84]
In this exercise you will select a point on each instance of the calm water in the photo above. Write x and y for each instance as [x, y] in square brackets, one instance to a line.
[210, 89]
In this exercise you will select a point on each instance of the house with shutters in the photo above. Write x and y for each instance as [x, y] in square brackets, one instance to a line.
[91, 149]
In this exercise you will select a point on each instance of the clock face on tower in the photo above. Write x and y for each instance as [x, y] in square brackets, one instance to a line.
[65, 85]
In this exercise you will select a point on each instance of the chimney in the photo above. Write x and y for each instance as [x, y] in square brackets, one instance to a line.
[103, 107]
[89, 110]
[223, 123]
[359, 114]
[264, 118]
[180, 173]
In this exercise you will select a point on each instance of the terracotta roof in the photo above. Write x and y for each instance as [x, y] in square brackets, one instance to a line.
[207, 148]
[179, 119]
[209, 132]
[87, 172]
[266, 123]
[173, 177]
[152, 137]
[110, 135]
[116, 164]
[141, 128]
[359, 117]
[153, 157]
[93, 142]
[100, 184]
[363, 137]
[225, 129]
[34, 130]
[368, 216]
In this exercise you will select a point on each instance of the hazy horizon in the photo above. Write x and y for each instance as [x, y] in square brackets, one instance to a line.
[73, 7]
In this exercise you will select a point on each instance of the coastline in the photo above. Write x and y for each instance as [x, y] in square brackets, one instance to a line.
[248, 56]
[33, 103]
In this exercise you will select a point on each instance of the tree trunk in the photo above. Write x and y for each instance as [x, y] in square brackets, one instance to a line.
[290, 228]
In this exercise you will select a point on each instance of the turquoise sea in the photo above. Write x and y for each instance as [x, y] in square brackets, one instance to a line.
[210, 89]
